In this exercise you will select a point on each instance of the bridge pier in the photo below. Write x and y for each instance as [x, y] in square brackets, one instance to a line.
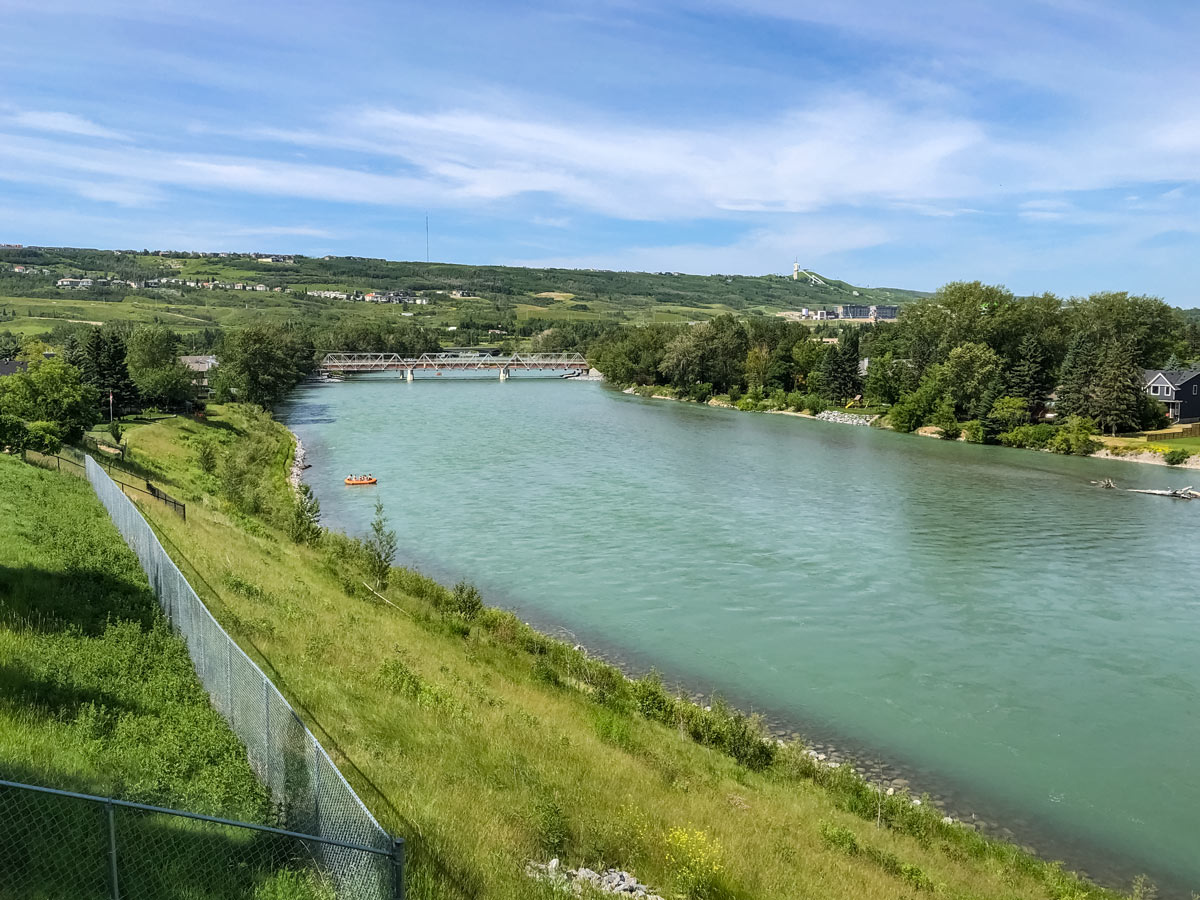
[408, 375]
[504, 374]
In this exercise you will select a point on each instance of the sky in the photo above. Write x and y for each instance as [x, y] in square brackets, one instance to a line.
[1048, 145]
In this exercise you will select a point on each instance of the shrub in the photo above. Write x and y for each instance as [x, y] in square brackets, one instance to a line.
[1030, 437]
[652, 699]
[551, 826]
[465, 601]
[303, 524]
[700, 392]
[1177, 457]
[945, 419]
[973, 431]
[1075, 437]
[814, 403]
[114, 431]
[613, 728]
[795, 400]
[206, 457]
[839, 838]
[695, 859]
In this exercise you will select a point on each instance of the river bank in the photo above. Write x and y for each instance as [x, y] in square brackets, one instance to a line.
[1146, 457]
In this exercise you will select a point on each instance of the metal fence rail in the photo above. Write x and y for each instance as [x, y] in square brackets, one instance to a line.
[63, 844]
[314, 796]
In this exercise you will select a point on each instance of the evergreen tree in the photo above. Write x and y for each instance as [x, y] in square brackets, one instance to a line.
[839, 370]
[1075, 390]
[1028, 378]
[381, 548]
[114, 373]
[1119, 390]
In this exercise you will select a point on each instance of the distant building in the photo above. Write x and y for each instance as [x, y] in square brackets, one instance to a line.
[201, 367]
[1178, 390]
[854, 311]
[884, 312]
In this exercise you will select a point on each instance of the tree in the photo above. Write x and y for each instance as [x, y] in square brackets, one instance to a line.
[381, 548]
[1009, 412]
[1119, 390]
[50, 390]
[840, 380]
[758, 365]
[970, 373]
[1075, 437]
[161, 379]
[304, 523]
[260, 364]
[807, 357]
[1075, 395]
[887, 379]
[946, 421]
[1029, 377]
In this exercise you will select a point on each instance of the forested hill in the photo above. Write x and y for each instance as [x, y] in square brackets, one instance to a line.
[621, 293]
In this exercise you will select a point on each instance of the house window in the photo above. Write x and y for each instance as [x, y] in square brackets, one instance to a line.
[1195, 389]
[1154, 389]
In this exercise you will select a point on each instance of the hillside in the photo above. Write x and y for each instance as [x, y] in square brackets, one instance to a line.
[482, 297]
[489, 746]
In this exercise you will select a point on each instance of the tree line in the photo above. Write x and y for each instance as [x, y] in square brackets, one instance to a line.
[971, 356]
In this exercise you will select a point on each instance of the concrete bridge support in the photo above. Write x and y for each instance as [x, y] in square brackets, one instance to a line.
[504, 374]
[408, 375]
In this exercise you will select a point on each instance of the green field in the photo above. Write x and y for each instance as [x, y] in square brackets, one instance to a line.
[487, 745]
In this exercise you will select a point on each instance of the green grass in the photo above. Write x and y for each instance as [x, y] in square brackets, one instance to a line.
[98, 696]
[486, 744]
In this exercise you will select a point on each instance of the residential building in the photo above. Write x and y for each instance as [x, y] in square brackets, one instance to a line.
[1178, 390]
[884, 312]
[854, 311]
[201, 367]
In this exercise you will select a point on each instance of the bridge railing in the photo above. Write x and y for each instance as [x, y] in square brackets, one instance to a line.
[365, 362]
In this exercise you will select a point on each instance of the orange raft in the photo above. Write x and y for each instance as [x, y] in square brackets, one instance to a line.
[361, 479]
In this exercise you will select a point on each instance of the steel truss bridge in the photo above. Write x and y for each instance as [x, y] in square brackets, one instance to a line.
[346, 363]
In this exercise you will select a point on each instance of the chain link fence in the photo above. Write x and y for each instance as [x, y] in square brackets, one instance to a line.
[314, 797]
[58, 844]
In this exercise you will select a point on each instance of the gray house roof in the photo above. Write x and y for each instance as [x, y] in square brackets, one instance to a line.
[12, 366]
[1176, 377]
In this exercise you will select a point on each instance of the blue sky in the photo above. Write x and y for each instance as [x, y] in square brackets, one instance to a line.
[1051, 145]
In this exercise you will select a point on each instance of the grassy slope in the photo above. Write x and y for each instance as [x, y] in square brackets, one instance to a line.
[95, 693]
[484, 756]
[98, 696]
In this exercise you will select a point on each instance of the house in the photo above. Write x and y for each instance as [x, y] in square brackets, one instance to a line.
[201, 367]
[1178, 390]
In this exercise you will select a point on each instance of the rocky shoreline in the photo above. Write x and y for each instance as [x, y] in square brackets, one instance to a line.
[299, 462]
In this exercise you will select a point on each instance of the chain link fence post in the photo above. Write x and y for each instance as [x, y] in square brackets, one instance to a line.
[398, 869]
[112, 850]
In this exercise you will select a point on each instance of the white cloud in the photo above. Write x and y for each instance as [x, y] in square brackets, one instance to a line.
[63, 123]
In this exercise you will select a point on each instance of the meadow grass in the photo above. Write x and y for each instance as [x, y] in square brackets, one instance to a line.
[487, 744]
[98, 696]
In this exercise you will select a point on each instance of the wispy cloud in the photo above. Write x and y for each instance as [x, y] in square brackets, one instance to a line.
[63, 123]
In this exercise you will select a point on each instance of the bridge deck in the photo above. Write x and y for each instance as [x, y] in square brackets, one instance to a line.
[393, 362]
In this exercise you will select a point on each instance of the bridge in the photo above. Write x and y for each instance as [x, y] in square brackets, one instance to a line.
[347, 363]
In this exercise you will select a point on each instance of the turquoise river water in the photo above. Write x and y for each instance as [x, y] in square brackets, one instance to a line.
[1008, 636]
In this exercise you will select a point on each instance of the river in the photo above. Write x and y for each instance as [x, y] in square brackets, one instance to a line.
[1009, 636]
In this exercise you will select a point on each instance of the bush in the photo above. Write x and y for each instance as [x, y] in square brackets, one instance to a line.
[700, 392]
[973, 431]
[839, 838]
[1030, 437]
[551, 825]
[465, 601]
[1177, 457]
[946, 421]
[1075, 437]
[206, 457]
[815, 404]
